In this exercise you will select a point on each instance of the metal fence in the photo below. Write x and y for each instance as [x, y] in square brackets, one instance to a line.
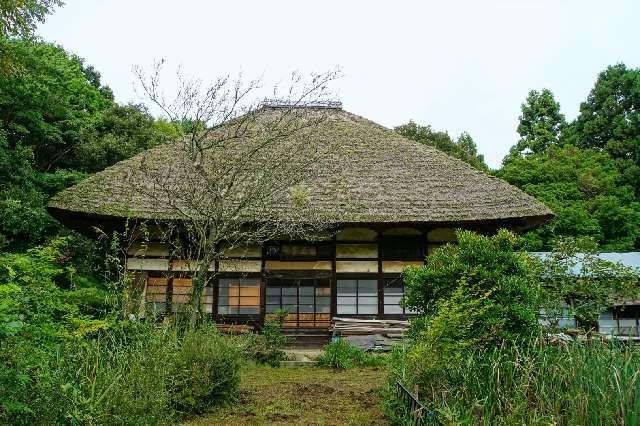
[418, 414]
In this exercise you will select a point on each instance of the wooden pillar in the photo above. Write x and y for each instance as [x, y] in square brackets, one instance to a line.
[263, 287]
[334, 281]
[380, 275]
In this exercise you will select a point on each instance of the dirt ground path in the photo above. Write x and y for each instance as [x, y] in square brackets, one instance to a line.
[303, 396]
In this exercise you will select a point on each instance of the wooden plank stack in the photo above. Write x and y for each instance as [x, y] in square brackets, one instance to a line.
[368, 334]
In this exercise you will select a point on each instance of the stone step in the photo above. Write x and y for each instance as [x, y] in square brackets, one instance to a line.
[307, 338]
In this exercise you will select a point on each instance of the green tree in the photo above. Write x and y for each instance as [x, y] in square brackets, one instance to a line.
[540, 123]
[477, 294]
[588, 190]
[469, 151]
[464, 148]
[58, 122]
[19, 17]
[48, 103]
[610, 117]
[119, 132]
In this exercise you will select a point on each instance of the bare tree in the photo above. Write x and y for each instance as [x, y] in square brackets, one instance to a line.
[239, 175]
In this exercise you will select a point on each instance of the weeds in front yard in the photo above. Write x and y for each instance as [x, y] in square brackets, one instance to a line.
[140, 374]
[579, 383]
[303, 396]
[264, 348]
[341, 354]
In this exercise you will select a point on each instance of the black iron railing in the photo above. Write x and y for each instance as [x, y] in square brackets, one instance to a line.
[418, 414]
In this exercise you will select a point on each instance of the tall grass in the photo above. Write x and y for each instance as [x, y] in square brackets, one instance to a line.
[589, 383]
[341, 354]
[142, 375]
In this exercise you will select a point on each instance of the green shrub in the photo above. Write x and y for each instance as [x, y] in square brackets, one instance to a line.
[206, 371]
[266, 347]
[481, 291]
[341, 354]
[115, 379]
[64, 360]
[475, 354]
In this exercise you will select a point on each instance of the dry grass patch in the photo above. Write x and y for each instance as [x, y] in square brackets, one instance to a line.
[306, 396]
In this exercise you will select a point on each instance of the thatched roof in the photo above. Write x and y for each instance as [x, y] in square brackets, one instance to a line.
[389, 178]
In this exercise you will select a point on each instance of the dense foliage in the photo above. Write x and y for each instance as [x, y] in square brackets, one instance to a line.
[19, 17]
[57, 123]
[540, 123]
[587, 171]
[481, 349]
[44, 298]
[66, 358]
[610, 117]
[135, 374]
[586, 189]
[479, 293]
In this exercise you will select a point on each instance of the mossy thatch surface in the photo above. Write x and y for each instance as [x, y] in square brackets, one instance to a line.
[381, 176]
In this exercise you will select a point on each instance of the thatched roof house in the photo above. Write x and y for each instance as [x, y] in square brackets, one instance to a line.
[390, 178]
[403, 199]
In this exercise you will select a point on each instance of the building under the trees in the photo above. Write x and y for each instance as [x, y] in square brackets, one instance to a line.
[408, 200]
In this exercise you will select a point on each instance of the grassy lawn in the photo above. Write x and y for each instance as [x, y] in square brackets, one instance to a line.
[307, 396]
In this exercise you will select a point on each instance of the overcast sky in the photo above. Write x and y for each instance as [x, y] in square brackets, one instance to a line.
[456, 65]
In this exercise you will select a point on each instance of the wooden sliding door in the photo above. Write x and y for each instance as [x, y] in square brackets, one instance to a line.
[307, 301]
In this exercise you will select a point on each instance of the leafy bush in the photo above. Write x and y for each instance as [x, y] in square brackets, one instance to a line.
[341, 354]
[205, 372]
[477, 294]
[273, 340]
[37, 295]
[266, 347]
[484, 287]
[476, 354]
[106, 381]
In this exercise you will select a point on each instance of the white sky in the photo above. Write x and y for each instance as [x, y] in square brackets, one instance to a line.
[457, 65]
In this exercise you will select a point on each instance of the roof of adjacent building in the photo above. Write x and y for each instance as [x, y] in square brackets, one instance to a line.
[389, 178]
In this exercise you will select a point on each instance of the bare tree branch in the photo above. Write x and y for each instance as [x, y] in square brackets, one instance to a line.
[237, 175]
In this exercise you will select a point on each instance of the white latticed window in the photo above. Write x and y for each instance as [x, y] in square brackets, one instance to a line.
[357, 297]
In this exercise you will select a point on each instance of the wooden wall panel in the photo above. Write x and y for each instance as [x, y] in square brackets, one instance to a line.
[361, 266]
[356, 234]
[272, 265]
[363, 251]
[239, 265]
[138, 264]
[246, 251]
[396, 266]
[183, 265]
[150, 250]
